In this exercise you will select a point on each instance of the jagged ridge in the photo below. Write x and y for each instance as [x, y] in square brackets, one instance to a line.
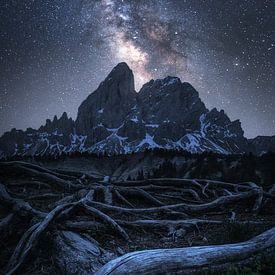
[166, 113]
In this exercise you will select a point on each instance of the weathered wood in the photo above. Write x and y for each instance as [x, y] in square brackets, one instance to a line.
[17, 205]
[189, 208]
[151, 210]
[108, 195]
[192, 260]
[82, 211]
[42, 173]
[175, 197]
[158, 188]
[167, 224]
[76, 254]
[106, 219]
[138, 192]
[82, 226]
[123, 199]
[30, 239]
[259, 196]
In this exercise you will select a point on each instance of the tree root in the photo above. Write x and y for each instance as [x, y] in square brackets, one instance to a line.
[30, 239]
[81, 226]
[182, 207]
[138, 192]
[151, 210]
[42, 173]
[123, 199]
[16, 164]
[169, 205]
[106, 219]
[18, 205]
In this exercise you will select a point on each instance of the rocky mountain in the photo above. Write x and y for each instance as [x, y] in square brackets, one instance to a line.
[115, 119]
[263, 144]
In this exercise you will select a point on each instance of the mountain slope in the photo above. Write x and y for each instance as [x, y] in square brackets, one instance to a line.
[166, 113]
[263, 144]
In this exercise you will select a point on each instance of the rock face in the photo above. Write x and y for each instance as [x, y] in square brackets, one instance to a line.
[109, 103]
[263, 144]
[166, 113]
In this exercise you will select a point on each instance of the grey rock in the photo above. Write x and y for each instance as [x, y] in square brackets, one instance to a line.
[263, 144]
[109, 104]
[166, 113]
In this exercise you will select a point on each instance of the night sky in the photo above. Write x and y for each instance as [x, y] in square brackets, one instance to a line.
[54, 53]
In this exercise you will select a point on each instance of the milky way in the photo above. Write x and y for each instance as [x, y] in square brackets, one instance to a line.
[54, 53]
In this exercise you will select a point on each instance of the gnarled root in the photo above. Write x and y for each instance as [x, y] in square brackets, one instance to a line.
[74, 214]
[30, 239]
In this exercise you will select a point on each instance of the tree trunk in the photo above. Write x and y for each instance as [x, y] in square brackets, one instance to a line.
[191, 260]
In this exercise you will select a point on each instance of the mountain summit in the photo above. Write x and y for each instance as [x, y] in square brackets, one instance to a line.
[166, 113]
[109, 103]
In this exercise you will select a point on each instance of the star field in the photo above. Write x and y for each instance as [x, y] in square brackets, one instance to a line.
[55, 53]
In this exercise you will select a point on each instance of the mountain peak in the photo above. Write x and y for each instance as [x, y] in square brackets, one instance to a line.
[166, 113]
[122, 66]
[121, 73]
[120, 80]
[64, 115]
[114, 98]
[171, 80]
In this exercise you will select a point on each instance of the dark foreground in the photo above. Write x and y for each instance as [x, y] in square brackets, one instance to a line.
[65, 218]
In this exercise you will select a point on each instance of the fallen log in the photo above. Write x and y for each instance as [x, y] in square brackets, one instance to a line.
[191, 260]
[76, 254]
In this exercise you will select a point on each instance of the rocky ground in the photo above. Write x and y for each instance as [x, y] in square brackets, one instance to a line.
[71, 222]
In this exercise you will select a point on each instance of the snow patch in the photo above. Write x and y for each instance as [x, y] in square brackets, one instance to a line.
[149, 140]
[55, 133]
[152, 125]
[134, 119]
[227, 133]
[204, 125]
[171, 81]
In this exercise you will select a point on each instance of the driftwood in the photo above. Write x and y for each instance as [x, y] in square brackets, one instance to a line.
[189, 260]
[76, 254]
